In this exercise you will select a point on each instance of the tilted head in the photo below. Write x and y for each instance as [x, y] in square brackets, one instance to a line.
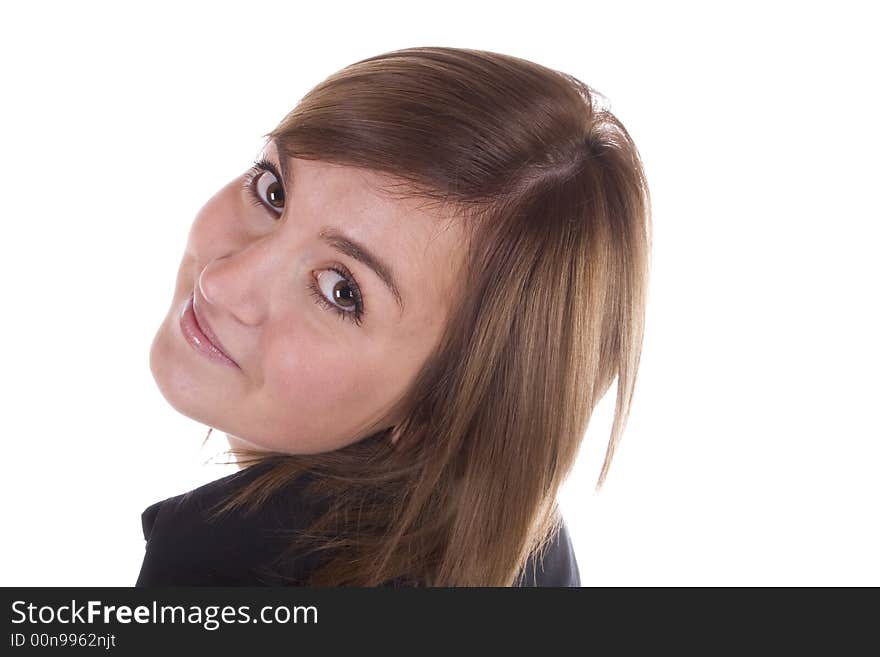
[512, 214]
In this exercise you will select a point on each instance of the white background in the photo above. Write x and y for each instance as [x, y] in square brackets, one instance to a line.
[752, 453]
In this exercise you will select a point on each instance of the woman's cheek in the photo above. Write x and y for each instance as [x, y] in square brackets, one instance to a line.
[299, 368]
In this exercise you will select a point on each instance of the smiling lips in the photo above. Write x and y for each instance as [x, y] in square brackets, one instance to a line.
[199, 334]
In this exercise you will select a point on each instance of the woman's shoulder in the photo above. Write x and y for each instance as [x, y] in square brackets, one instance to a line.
[187, 546]
[198, 500]
[556, 567]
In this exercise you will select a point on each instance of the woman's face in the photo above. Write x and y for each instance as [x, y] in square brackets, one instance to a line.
[321, 343]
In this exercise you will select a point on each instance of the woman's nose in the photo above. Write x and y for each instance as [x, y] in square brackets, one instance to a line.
[238, 283]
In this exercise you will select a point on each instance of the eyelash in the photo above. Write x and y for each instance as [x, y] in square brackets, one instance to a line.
[259, 168]
[250, 186]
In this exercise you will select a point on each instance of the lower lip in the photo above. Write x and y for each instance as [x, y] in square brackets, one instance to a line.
[199, 341]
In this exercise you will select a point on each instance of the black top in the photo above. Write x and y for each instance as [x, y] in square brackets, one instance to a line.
[184, 549]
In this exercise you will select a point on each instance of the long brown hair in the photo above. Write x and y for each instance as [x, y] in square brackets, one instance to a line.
[462, 490]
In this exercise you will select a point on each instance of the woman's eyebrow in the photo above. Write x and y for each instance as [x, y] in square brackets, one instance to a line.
[344, 244]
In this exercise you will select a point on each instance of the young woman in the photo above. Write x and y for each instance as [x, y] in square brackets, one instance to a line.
[402, 317]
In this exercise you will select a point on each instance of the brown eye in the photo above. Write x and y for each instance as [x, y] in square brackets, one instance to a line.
[335, 289]
[270, 190]
[340, 292]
